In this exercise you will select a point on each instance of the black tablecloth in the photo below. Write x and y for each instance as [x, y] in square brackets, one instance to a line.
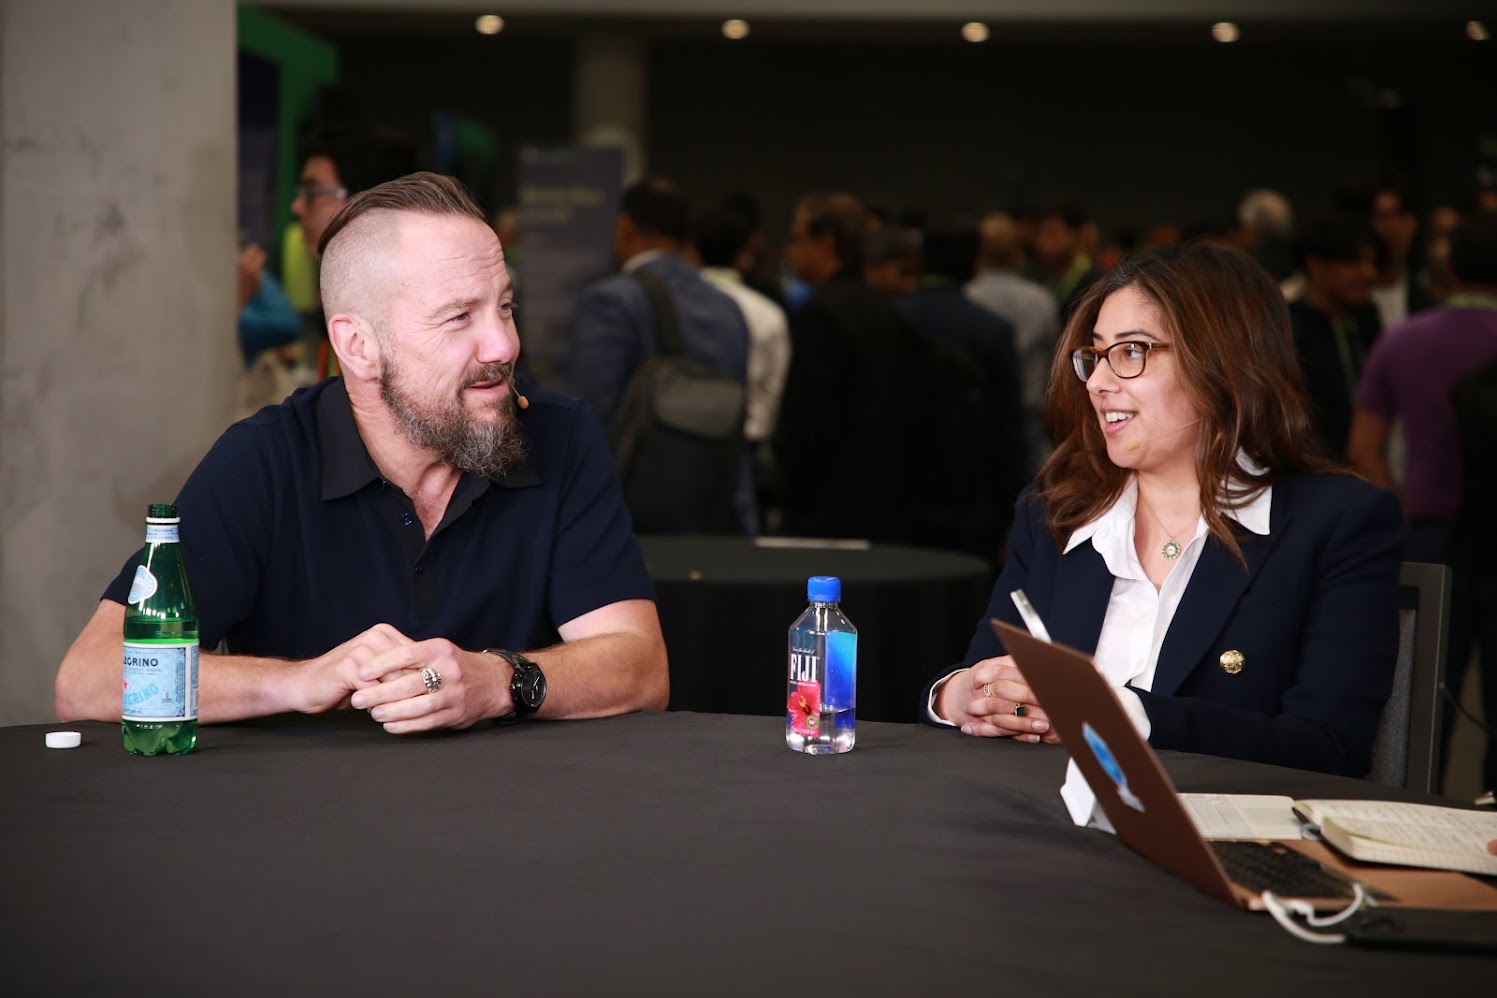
[661, 854]
[726, 605]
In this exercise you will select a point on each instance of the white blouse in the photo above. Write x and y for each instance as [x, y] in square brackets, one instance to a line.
[1138, 616]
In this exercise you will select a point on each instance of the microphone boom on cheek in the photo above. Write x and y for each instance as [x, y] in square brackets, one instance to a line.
[1137, 442]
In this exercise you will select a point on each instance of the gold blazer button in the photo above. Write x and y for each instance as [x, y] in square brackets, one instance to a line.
[1232, 662]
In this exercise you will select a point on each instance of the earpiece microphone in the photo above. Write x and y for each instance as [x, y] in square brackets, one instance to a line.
[523, 402]
[1138, 442]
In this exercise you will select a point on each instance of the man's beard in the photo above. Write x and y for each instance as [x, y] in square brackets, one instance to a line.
[445, 429]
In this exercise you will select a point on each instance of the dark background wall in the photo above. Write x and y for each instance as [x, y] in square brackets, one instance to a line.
[1140, 135]
[1142, 125]
[523, 91]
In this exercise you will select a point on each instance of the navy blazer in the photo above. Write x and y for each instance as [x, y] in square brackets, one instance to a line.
[1314, 615]
[612, 331]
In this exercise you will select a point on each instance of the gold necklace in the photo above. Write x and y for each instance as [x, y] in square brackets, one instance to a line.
[1171, 549]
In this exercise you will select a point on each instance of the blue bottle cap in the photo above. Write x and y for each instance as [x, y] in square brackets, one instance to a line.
[823, 589]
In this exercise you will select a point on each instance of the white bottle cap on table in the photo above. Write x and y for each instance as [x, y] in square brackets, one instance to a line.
[63, 739]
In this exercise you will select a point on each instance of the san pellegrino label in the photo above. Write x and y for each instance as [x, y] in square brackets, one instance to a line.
[161, 680]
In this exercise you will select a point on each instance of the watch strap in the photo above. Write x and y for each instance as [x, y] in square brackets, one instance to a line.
[524, 669]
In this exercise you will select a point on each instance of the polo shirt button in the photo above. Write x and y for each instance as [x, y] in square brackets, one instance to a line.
[420, 568]
[406, 519]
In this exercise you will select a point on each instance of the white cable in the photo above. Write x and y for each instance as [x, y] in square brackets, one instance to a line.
[1284, 912]
[1359, 901]
[1280, 913]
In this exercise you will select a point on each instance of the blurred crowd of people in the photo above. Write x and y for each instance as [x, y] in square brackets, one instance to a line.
[897, 372]
[884, 378]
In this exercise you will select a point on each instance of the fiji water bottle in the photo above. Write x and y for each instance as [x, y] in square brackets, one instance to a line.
[160, 708]
[820, 710]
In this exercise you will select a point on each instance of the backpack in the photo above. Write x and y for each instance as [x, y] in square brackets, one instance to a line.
[677, 437]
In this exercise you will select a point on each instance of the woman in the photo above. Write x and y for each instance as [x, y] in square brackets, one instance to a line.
[1241, 590]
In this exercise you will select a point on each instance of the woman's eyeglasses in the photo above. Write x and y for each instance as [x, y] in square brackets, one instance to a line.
[1126, 358]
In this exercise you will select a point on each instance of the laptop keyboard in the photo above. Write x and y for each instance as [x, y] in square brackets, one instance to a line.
[1270, 866]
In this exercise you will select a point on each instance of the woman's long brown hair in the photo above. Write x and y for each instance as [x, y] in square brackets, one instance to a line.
[1229, 331]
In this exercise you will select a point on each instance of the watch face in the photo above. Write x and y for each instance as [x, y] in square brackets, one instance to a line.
[532, 687]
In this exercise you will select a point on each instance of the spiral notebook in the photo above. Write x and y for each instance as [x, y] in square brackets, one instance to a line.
[1424, 835]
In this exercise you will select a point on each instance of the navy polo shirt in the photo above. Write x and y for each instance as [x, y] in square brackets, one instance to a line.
[294, 542]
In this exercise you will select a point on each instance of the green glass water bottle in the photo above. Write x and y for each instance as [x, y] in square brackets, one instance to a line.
[160, 707]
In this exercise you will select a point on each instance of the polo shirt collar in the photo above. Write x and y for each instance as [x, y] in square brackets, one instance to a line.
[641, 259]
[1117, 520]
[346, 464]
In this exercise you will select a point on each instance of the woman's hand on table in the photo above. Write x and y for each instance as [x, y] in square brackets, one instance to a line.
[992, 700]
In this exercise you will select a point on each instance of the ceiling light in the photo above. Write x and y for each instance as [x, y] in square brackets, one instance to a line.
[975, 31]
[735, 29]
[1477, 31]
[489, 24]
[1225, 32]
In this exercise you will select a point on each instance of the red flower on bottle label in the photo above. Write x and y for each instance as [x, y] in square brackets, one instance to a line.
[804, 709]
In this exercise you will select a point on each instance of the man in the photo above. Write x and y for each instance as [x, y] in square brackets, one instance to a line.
[994, 441]
[892, 261]
[752, 267]
[613, 329]
[1388, 204]
[1412, 374]
[1060, 257]
[674, 483]
[845, 436]
[393, 540]
[723, 248]
[1027, 306]
[337, 163]
[1334, 321]
[1265, 229]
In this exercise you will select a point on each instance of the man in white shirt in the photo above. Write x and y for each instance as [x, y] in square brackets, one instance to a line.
[722, 245]
[1027, 306]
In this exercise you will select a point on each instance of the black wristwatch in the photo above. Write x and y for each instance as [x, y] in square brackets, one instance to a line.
[527, 687]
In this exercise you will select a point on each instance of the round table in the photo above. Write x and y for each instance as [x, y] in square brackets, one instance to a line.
[726, 604]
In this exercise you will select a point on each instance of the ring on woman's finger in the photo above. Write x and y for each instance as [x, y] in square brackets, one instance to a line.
[1020, 709]
[987, 690]
[432, 679]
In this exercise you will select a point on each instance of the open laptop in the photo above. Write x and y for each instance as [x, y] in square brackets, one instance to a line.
[1145, 809]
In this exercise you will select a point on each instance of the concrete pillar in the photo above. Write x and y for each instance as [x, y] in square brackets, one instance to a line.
[117, 335]
[610, 96]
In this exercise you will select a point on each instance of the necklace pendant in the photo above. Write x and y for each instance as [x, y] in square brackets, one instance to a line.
[1171, 550]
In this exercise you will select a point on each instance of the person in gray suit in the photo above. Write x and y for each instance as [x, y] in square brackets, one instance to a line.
[613, 329]
[616, 327]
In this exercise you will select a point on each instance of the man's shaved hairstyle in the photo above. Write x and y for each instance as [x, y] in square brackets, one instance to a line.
[423, 193]
[348, 275]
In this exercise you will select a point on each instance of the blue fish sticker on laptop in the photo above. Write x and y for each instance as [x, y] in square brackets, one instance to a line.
[1104, 755]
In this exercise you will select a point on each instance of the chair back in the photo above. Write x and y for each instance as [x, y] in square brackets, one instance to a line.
[1406, 751]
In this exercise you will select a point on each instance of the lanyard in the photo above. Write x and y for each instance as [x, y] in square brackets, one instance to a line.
[1351, 354]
